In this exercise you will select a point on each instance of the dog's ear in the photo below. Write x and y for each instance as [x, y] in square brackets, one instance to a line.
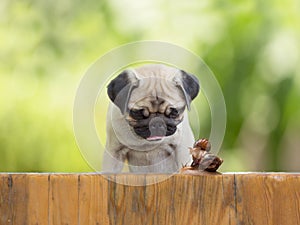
[189, 85]
[120, 88]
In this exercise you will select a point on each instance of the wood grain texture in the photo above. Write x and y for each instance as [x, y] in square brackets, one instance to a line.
[64, 199]
[268, 198]
[93, 200]
[23, 199]
[37, 191]
[255, 198]
[6, 210]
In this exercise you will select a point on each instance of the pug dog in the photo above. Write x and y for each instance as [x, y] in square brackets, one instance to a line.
[147, 120]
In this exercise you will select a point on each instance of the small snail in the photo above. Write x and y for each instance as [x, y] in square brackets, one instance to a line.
[203, 144]
[202, 159]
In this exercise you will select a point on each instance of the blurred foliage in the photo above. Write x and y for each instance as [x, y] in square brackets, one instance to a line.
[253, 48]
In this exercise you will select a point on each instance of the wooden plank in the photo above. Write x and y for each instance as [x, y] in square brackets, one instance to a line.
[151, 198]
[93, 199]
[126, 203]
[164, 197]
[204, 199]
[18, 199]
[134, 198]
[268, 198]
[63, 202]
[5, 199]
[37, 191]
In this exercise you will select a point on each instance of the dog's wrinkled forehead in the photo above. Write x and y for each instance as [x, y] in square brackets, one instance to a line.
[157, 83]
[154, 84]
[158, 70]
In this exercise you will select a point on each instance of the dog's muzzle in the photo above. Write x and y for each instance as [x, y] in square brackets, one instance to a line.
[158, 129]
[155, 127]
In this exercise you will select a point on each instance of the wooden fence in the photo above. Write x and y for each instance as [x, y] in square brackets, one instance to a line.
[61, 199]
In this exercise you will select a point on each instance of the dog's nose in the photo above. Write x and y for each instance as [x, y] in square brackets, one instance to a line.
[157, 127]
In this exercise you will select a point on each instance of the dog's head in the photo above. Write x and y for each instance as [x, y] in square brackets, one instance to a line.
[153, 98]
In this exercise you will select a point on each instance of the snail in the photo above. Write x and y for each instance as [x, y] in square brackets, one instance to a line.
[203, 160]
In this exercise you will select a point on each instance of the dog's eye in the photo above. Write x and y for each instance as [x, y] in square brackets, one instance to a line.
[173, 113]
[137, 114]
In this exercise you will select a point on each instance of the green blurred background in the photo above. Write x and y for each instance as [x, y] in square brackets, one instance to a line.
[253, 48]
